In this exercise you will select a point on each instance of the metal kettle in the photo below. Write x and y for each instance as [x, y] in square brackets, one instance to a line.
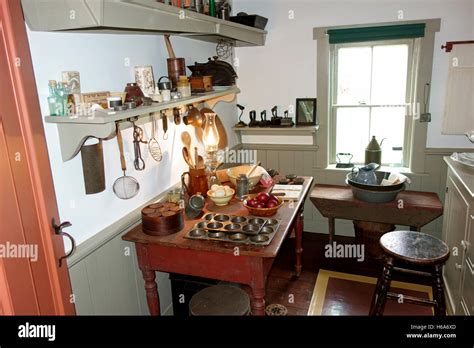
[373, 152]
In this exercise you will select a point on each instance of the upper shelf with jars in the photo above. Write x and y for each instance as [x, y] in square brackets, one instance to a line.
[135, 16]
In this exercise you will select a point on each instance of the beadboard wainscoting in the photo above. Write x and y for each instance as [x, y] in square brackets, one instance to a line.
[105, 277]
[302, 160]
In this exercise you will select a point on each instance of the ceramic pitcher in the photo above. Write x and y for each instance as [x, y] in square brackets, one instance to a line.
[197, 182]
[365, 175]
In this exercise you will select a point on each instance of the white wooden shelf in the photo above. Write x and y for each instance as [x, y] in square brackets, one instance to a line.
[134, 17]
[277, 130]
[103, 116]
[75, 130]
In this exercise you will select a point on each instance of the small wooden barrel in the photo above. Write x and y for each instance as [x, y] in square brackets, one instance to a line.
[162, 219]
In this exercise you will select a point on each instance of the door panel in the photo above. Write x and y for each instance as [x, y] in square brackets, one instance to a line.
[456, 215]
[39, 287]
[17, 270]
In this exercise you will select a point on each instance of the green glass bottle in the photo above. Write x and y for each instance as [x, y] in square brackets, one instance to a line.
[54, 101]
[62, 98]
[212, 8]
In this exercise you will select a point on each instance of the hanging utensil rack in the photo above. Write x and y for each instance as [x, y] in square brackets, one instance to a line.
[75, 130]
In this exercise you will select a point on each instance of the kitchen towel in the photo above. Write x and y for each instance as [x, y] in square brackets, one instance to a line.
[459, 102]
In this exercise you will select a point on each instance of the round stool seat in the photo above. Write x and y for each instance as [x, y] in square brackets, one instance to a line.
[220, 300]
[415, 247]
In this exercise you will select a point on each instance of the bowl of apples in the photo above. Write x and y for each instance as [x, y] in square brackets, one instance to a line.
[263, 204]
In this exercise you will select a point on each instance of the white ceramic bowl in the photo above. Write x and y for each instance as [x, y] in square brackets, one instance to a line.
[233, 174]
[220, 201]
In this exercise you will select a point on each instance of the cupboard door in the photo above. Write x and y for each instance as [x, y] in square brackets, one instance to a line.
[467, 289]
[469, 242]
[455, 225]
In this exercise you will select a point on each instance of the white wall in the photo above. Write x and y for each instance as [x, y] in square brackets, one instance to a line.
[285, 68]
[100, 61]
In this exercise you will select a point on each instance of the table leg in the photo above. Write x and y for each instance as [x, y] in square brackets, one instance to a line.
[331, 222]
[257, 287]
[299, 227]
[151, 292]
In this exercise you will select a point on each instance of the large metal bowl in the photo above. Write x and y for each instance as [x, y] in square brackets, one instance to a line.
[375, 188]
[376, 196]
[375, 193]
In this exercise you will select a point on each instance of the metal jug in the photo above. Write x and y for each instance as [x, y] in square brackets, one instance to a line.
[373, 152]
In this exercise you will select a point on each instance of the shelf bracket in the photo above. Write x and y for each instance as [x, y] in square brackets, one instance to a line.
[225, 98]
[72, 136]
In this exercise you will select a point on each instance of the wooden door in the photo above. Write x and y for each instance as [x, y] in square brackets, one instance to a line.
[31, 281]
[454, 230]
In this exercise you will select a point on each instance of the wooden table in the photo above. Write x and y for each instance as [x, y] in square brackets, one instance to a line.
[410, 208]
[244, 264]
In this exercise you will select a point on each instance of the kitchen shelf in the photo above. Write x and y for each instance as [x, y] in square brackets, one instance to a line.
[75, 130]
[134, 17]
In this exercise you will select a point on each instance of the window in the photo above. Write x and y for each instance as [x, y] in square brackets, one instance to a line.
[371, 95]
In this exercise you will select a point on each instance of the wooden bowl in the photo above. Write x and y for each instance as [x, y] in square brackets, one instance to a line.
[265, 212]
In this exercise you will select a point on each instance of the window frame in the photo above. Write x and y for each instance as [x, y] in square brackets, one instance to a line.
[418, 139]
[409, 95]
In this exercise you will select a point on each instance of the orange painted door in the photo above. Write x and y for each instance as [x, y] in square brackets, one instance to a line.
[31, 281]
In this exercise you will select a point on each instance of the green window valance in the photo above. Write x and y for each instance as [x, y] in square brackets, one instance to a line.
[388, 32]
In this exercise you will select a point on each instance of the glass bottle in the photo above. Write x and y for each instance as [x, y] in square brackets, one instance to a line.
[184, 87]
[54, 102]
[212, 8]
[62, 98]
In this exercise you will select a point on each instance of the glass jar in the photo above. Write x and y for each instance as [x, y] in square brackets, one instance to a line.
[174, 196]
[184, 87]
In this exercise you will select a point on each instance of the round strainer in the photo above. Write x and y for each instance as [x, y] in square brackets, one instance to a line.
[125, 187]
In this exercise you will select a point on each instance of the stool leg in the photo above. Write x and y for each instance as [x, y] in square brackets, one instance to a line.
[383, 285]
[438, 291]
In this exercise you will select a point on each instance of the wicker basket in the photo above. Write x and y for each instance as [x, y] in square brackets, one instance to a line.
[368, 234]
[264, 212]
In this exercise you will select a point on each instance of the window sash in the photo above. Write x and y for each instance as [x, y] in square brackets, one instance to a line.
[411, 78]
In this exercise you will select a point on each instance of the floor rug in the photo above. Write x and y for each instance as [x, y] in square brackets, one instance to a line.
[338, 293]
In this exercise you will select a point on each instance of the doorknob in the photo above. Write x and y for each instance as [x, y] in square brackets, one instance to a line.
[58, 229]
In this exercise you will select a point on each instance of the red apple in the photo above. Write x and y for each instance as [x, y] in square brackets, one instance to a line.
[263, 197]
[274, 199]
[272, 203]
[260, 205]
[250, 203]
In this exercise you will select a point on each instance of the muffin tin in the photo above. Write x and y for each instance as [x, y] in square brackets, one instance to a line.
[237, 229]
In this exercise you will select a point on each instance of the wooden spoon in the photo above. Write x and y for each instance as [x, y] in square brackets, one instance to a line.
[186, 139]
[187, 158]
[253, 168]
[200, 162]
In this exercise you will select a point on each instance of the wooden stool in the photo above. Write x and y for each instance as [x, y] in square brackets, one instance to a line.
[220, 300]
[414, 248]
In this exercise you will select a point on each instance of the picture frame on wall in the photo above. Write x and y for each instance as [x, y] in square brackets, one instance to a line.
[306, 111]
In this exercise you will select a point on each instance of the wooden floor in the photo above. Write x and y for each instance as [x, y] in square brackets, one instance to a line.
[295, 293]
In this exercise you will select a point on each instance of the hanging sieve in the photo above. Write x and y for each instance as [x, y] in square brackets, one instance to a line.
[125, 187]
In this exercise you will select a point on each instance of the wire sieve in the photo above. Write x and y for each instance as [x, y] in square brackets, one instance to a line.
[125, 187]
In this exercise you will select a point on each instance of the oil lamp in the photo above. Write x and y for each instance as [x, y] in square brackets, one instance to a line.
[210, 138]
